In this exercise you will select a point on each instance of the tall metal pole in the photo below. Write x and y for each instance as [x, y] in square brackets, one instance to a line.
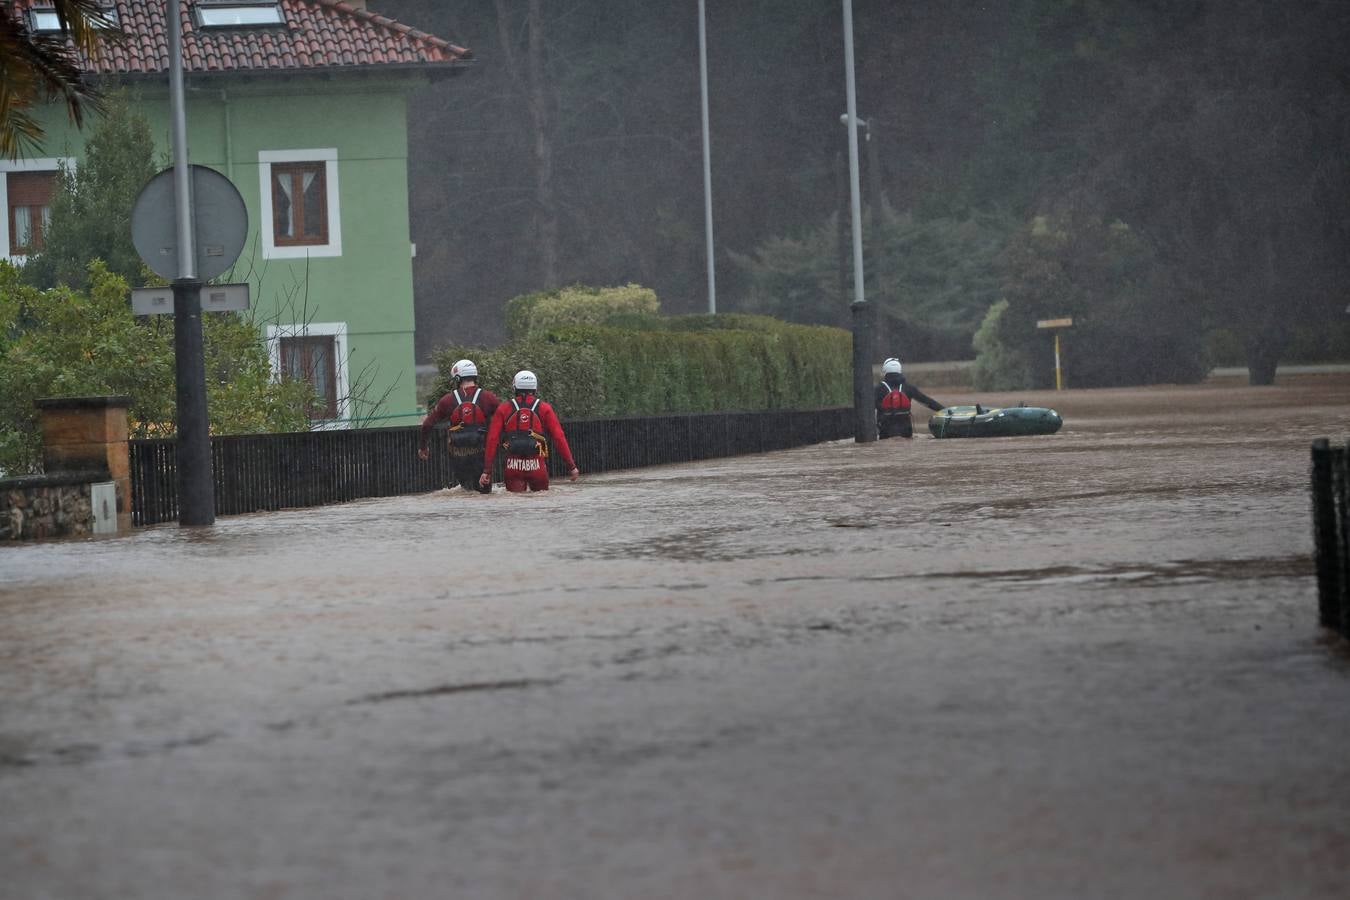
[707, 157]
[854, 192]
[196, 495]
[865, 428]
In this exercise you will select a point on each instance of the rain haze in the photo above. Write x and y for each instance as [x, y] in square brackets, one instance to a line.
[1184, 156]
[1079, 664]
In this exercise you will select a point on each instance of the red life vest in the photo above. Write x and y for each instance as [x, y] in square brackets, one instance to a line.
[521, 434]
[467, 411]
[896, 401]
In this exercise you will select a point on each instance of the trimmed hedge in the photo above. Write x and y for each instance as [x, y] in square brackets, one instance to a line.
[616, 358]
[566, 373]
[532, 315]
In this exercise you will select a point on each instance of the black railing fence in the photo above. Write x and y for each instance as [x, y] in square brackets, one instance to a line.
[1331, 533]
[256, 472]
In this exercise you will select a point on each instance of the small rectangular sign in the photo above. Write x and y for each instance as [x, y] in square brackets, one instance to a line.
[224, 297]
[1054, 323]
[156, 301]
[152, 301]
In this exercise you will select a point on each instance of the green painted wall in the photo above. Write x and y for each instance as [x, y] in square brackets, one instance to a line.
[369, 286]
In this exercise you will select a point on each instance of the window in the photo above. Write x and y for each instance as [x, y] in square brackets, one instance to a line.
[317, 353]
[313, 359]
[227, 14]
[26, 189]
[29, 200]
[299, 194]
[45, 21]
[299, 204]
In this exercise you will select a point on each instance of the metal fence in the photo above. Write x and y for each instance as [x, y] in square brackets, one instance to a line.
[256, 472]
[1331, 531]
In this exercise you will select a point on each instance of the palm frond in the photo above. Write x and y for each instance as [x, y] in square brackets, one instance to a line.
[38, 67]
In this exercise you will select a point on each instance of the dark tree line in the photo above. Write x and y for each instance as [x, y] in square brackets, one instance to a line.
[1211, 129]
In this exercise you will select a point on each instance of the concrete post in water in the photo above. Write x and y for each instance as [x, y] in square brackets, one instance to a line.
[865, 425]
[88, 434]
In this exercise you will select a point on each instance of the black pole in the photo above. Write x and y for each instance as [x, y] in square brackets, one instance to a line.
[1325, 543]
[864, 412]
[196, 495]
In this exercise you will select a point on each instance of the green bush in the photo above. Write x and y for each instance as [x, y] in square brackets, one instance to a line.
[1328, 341]
[566, 372]
[683, 370]
[65, 342]
[579, 305]
[1130, 322]
[1000, 364]
[518, 312]
[604, 351]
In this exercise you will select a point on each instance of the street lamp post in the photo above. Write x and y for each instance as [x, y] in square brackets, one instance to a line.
[196, 490]
[864, 426]
[707, 157]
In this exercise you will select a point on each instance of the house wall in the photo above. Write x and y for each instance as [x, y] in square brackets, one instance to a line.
[368, 285]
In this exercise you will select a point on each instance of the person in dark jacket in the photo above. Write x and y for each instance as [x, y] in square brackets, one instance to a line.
[893, 400]
[468, 408]
[525, 427]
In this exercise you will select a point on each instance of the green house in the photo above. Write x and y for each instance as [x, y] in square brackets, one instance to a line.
[302, 104]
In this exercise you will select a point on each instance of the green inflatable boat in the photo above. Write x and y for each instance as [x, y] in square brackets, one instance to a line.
[1010, 421]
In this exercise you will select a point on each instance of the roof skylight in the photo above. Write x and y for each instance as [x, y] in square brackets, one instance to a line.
[45, 21]
[226, 14]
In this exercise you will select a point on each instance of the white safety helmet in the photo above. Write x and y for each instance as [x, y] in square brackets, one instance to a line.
[464, 369]
[890, 366]
[525, 381]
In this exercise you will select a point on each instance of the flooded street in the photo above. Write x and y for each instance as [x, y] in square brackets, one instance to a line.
[1080, 665]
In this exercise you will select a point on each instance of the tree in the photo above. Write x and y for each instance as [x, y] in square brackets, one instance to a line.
[933, 278]
[40, 67]
[1223, 150]
[531, 81]
[91, 209]
[1130, 324]
[64, 342]
[795, 278]
[1211, 128]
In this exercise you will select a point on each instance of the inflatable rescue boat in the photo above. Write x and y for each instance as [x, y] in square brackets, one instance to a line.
[1009, 421]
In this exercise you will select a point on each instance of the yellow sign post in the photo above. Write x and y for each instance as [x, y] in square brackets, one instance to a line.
[1056, 325]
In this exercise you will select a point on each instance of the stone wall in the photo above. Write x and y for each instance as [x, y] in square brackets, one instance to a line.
[41, 506]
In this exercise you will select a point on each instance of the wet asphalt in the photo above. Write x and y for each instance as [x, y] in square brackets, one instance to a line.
[1080, 665]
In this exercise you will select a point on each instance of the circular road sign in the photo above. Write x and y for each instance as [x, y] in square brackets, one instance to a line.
[217, 210]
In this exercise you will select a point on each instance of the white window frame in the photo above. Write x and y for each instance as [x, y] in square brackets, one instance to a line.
[43, 19]
[326, 155]
[336, 330]
[211, 13]
[45, 164]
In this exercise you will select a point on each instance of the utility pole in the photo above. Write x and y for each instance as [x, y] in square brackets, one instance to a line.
[196, 492]
[707, 158]
[865, 429]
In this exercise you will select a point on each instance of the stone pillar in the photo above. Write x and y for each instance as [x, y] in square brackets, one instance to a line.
[89, 433]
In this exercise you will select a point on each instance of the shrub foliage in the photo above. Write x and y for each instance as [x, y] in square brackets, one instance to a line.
[605, 352]
[64, 342]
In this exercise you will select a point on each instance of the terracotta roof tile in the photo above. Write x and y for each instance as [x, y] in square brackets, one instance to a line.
[318, 34]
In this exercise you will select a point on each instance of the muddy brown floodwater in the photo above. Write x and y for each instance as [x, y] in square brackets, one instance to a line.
[1083, 665]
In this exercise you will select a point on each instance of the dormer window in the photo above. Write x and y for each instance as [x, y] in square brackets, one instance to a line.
[234, 14]
[43, 19]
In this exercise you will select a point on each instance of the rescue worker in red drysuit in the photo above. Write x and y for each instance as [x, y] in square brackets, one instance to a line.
[893, 402]
[523, 427]
[467, 408]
